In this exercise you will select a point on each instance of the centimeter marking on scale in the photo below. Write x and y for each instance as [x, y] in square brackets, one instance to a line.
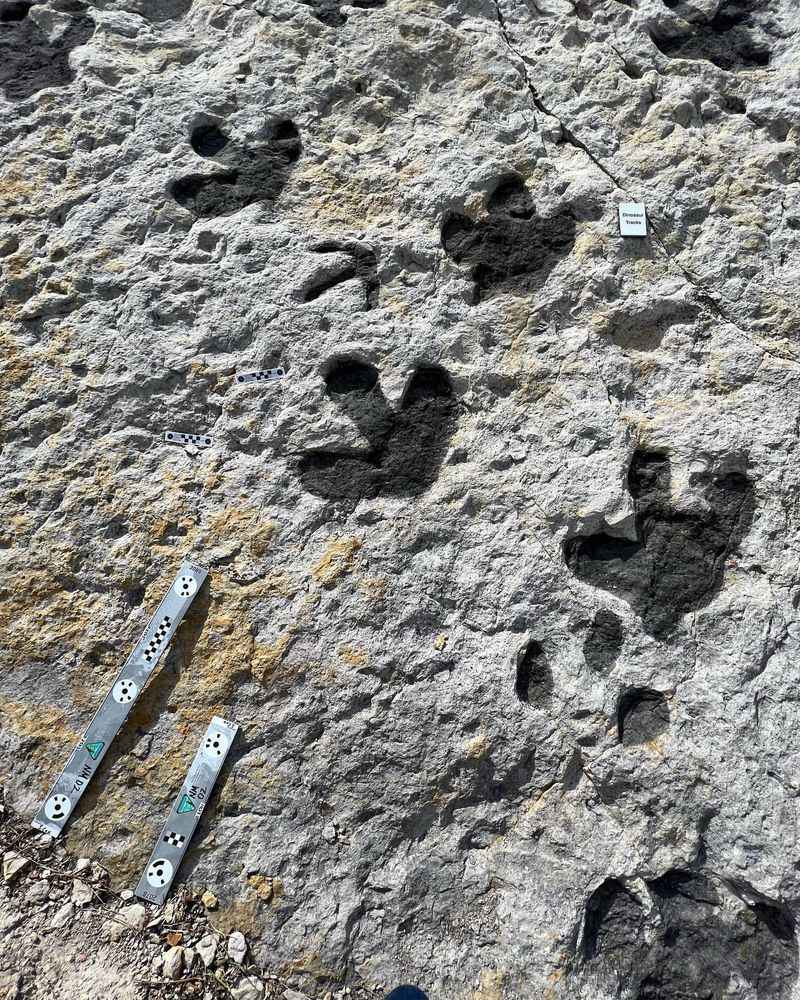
[173, 841]
[199, 440]
[264, 375]
[87, 755]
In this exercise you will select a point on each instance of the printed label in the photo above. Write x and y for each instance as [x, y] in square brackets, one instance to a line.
[632, 219]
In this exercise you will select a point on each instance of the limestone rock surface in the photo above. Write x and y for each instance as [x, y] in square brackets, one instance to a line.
[505, 571]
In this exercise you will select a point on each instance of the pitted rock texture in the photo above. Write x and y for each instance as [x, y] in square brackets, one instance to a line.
[503, 585]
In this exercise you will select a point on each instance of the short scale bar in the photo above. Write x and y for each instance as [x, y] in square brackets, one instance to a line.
[198, 440]
[87, 755]
[173, 841]
[264, 375]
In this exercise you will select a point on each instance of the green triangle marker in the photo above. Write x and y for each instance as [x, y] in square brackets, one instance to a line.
[186, 805]
[93, 749]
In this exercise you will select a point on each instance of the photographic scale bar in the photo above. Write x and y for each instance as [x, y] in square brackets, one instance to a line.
[87, 755]
[173, 841]
[265, 375]
[198, 440]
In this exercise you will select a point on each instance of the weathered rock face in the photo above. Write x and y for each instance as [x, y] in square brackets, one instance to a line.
[504, 575]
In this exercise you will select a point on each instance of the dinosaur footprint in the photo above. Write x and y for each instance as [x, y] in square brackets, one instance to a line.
[249, 174]
[513, 249]
[29, 61]
[677, 562]
[406, 446]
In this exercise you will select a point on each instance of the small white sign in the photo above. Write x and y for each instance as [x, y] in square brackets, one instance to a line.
[632, 219]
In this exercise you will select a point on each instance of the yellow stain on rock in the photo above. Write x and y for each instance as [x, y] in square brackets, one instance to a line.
[261, 537]
[554, 978]
[353, 655]
[336, 561]
[41, 722]
[374, 588]
[266, 659]
[477, 747]
[16, 367]
[312, 965]
[268, 889]
[491, 985]
[39, 613]
[240, 915]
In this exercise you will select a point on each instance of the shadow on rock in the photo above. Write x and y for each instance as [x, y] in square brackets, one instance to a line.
[730, 39]
[329, 11]
[698, 945]
[603, 641]
[514, 249]
[642, 716]
[29, 61]
[406, 447]
[677, 562]
[250, 174]
[362, 264]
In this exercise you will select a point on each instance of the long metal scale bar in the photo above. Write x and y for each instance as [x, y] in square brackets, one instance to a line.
[173, 841]
[87, 755]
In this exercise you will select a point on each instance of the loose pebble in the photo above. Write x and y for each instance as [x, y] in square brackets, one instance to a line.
[237, 947]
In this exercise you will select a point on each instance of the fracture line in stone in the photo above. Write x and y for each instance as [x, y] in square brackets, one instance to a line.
[173, 841]
[198, 440]
[264, 375]
[85, 759]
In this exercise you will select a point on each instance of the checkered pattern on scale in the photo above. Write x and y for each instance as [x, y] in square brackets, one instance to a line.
[174, 839]
[263, 376]
[198, 439]
[153, 646]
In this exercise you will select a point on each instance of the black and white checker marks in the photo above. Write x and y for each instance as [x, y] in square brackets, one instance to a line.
[198, 440]
[191, 800]
[264, 375]
[151, 650]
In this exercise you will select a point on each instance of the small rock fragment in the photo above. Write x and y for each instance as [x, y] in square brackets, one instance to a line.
[294, 995]
[126, 894]
[129, 917]
[174, 938]
[38, 892]
[82, 865]
[207, 950]
[173, 963]
[209, 900]
[135, 915]
[237, 947]
[329, 833]
[13, 864]
[82, 893]
[188, 958]
[249, 988]
[62, 916]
